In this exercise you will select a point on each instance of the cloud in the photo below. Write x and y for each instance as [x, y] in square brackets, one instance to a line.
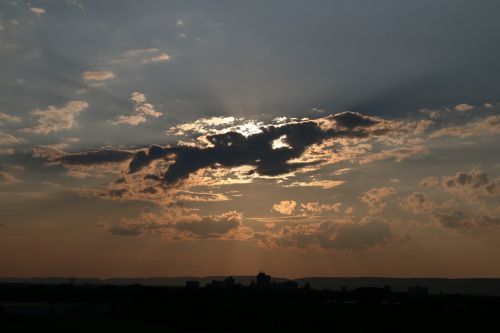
[232, 149]
[55, 119]
[487, 126]
[429, 182]
[326, 184]
[464, 107]
[37, 11]
[212, 226]
[98, 75]
[7, 139]
[201, 126]
[471, 184]
[419, 203]
[6, 178]
[63, 144]
[461, 221]
[142, 109]
[398, 154]
[97, 163]
[95, 157]
[129, 120]
[375, 198]
[6, 151]
[179, 224]
[143, 56]
[332, 235]
[8, 118]
[157, 58]
[179, 23]
[286, 207]
[317, 208]
[138, 97]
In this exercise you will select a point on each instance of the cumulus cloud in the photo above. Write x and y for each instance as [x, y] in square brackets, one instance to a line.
[138, 97]
[331, 235]
[37, 11]
[6, 178]
[180, 224]
[6, 151]
[142, 110]
[211, 226]
[464, 107]
[157, 58]
[317, 208]
[398, 154]
[461, 221]
[487, 126]
[98, 75]
[429, 182]
[55, 119]
[8, 118]
[286, 207]
[471, 184]
[7, 139]
[132, 120]
[419, 203]
[143, 56]
[375, 198]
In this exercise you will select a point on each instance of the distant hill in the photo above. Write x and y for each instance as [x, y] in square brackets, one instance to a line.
[476, 286]
[473, 286]
[153, 281]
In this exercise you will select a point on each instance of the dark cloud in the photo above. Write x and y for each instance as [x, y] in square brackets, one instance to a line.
[96, 157]
[135, 229]
[460, 220]
[211, 226]
[472, 183]
[120, 180]
[150, 190]
[234, 149]
[118, 192]
[362, 235]
[174, 226]
[353, 119]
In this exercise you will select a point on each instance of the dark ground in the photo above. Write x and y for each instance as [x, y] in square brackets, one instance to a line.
[91, 308]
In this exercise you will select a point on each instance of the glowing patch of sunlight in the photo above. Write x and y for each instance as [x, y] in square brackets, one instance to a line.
[280, 143]
[249, 128]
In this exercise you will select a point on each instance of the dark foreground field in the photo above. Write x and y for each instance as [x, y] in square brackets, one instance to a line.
[90, 308]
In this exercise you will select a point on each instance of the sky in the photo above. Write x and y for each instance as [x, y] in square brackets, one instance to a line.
[301, 138]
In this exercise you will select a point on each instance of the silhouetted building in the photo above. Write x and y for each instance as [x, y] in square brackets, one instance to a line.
[229, 282]
[418, 291]
[263, 280]
[192, 284]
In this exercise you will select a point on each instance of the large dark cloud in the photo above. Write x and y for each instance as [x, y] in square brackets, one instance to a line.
[234, 149]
